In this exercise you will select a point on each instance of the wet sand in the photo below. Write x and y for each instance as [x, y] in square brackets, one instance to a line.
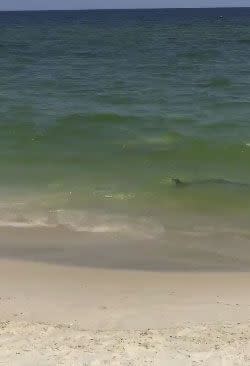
[179, 250]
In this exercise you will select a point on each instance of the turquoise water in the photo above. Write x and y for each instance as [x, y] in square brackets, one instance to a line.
[99, 110]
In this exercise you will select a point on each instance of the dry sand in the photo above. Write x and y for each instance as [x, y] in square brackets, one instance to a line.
[59, 315]
[37, 344]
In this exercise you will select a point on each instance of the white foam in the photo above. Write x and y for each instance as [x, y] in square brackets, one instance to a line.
[96, 222]
[84, 221]
[17, 224]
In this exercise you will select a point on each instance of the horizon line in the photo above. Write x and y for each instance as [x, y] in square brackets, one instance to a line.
[122, 9]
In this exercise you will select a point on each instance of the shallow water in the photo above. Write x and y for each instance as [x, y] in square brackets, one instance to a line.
[98, 110]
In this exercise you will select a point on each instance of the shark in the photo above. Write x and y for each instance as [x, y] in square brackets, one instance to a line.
[216, 181]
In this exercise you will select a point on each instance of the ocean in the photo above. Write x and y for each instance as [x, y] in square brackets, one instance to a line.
[132, 122]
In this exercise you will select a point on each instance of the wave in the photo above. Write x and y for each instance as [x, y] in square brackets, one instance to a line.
[85, 221]
[102, 117]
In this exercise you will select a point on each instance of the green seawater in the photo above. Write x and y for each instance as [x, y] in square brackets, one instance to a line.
[99, 110]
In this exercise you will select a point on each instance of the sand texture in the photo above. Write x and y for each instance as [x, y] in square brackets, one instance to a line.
[62, 315]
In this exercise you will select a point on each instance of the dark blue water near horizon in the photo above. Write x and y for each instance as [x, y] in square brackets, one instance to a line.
[116, 16]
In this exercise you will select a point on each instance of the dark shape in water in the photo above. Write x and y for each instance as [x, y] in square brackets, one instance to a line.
[179, 183]
[244, 40]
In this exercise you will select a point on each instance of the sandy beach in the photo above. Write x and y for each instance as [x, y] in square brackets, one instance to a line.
[60, 314]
